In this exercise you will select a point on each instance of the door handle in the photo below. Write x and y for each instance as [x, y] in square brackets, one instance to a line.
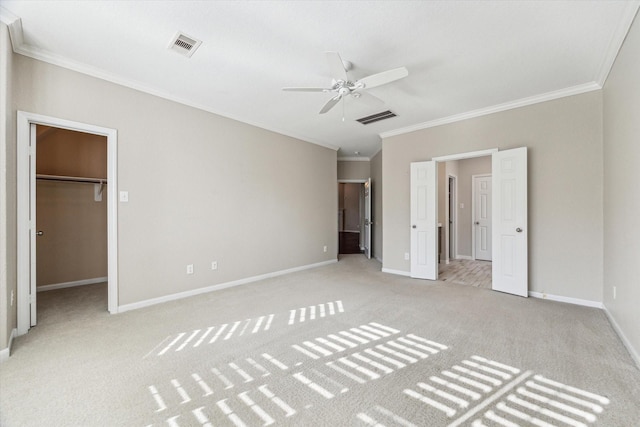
[519, 230]
[40, 233]
[477, 222]
[413, 226]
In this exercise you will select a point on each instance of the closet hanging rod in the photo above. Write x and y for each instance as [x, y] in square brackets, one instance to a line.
[71, 179]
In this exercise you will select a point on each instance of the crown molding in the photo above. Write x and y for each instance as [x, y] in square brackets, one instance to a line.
[549, 96]
[617, 40]
[14, 23]
[353, 159]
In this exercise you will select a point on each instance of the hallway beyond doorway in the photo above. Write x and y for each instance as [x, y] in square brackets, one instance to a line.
[349, 243]
[466, 272]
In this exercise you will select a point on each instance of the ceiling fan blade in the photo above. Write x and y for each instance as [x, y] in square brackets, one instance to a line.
[306, 89]
[383, 78]
[336, 66]
[330, 104]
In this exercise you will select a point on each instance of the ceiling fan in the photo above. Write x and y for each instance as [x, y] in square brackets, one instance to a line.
[342, 86]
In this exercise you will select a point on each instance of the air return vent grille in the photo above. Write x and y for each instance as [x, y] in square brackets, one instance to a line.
[184, 45]
[376, 117]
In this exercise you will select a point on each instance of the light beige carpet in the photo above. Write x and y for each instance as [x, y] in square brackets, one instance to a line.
[338, 345]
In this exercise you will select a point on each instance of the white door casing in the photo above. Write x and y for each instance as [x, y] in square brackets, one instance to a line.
[32, 227]
[481, 217]
[510, 233]
[424, 226]
[367, 218]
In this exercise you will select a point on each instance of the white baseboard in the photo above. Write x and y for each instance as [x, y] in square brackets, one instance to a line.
[632, 351]
[6, 352]
[576, 301]
[181, 295]
[378, 259]
[464, 257]
[53, 286]
[397, 272]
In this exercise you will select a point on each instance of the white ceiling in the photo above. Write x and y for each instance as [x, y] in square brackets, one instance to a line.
[464, 58]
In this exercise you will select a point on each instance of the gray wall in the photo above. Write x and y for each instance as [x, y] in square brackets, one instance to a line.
[74, 244]
[353, 169]
[202, 187]
[564, 140]
[621, 193]
[8, 224]
[376, 204]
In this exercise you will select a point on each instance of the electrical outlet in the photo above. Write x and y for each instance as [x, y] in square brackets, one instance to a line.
[325, 249]
[12, 298]
[214, 265]
[614, 292]
[406, 256]
[190, 269]
[124, 196]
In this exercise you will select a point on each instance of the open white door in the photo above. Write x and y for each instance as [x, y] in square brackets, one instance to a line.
[509, 268]
[424, 242]
[367, 218]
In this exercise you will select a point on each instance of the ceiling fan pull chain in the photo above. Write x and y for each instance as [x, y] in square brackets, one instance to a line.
[343, 108]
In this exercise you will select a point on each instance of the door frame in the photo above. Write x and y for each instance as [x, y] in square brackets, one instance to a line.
[26, 197]
[473, 212]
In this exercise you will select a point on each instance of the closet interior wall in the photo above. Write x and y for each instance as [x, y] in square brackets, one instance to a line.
[72, 215]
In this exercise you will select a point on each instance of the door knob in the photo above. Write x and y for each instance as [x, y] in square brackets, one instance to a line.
[477, 222]
[39, 233]
[413, 226]
[519, 230]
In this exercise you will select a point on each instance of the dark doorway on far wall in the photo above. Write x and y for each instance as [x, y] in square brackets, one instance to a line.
[350, 218]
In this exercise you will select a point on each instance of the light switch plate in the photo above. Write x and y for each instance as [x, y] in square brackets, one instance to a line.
[124, 196]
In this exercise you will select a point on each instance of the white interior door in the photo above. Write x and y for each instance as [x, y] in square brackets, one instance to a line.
[424, 209]
[482, 217]
[32, 224]
[367, 218]
[509, 267]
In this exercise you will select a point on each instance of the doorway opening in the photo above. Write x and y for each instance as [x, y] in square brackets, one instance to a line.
[71, 223]
[354, 217]
[466, 217]
[60, 185]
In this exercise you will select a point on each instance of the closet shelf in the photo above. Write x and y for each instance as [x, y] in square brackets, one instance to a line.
[71, 179]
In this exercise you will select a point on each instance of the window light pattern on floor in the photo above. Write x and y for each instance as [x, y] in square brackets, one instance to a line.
[366, 353]
[482, 392]
[212, 334]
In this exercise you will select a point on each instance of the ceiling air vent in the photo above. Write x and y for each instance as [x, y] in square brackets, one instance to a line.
[376, 117]
[184, 45]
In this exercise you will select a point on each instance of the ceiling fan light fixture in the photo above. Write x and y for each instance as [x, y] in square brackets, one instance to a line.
[342, 86]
